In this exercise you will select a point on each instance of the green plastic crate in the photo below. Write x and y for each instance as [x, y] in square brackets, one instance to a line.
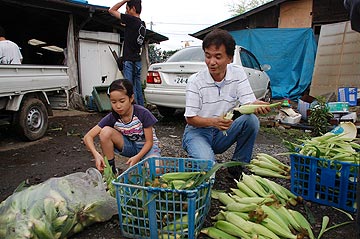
[101, 98]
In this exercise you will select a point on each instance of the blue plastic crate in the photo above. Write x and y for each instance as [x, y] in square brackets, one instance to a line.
[145, 212]
[324, 181]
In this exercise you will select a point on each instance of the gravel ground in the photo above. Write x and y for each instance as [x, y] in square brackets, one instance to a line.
[62, 152]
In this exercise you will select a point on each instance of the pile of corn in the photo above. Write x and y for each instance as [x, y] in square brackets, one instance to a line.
[268, 166]
[328, 146]
[57, 208]
[257, 209]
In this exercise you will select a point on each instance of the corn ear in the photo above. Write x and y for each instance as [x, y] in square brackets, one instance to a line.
[42, 229]
[243, 187]
[284, 212]
[266, 172]
[253, 184]
[241, 207]
[225, 199]
[256, 200]
[273, 215]
[250, 108]
[271, 159]
[229, 115]
[231, 229]
[239, 193]
[237, 221]
[179, 176]
[303, 222]
[262, 230]
[277, 229]
[216, 233]
[169, 236]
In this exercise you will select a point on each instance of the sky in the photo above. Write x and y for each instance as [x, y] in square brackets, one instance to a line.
[176, 19]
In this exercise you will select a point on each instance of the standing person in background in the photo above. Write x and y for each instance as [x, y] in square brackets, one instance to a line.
[9, 51]
[353, 7]
[133, 40]
[213, 92]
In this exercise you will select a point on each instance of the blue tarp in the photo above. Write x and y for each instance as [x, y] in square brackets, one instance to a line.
[290, 52]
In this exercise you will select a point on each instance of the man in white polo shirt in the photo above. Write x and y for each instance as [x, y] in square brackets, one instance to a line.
[9, 51]
[210, 94]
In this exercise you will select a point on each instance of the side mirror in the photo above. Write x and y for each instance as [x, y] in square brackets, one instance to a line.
[265, 67]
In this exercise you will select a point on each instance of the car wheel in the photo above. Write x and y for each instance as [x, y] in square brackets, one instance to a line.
[32, 119]
[166, 111]
[268, 95]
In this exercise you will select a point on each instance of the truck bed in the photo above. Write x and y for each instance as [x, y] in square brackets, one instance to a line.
[19, 79]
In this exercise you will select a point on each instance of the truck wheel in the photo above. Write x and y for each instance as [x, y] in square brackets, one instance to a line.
[32, 119]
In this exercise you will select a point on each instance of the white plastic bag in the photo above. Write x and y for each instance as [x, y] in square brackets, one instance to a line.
[57, 208]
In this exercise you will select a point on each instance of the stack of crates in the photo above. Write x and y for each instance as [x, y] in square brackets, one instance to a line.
[155, 212]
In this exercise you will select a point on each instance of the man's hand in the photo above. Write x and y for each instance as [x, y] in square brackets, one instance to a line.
[262, 110]
[221, 123]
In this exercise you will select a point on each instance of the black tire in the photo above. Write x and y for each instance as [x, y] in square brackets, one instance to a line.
[268, 95]
[166, 111]
[32, 119]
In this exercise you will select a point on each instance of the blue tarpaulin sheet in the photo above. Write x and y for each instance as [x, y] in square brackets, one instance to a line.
[290, 52]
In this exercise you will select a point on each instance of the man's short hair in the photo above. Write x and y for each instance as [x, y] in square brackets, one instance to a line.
[136, 4]
[220, 37]
[2, 32]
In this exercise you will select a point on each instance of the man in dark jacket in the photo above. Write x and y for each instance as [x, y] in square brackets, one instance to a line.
[353, 7]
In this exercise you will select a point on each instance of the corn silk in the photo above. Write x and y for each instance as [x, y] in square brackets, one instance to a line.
[58, 207]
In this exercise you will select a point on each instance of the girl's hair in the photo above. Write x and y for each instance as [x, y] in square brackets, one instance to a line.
[122, 85]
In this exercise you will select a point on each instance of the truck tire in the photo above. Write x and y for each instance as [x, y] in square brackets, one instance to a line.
[32, 119]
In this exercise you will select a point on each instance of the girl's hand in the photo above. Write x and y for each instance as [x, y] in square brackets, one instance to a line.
[133, 160]
[99, 163]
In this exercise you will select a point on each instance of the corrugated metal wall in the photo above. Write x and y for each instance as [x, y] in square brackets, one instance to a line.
[337, 61]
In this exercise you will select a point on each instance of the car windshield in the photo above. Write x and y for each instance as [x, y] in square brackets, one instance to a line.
[192, 54]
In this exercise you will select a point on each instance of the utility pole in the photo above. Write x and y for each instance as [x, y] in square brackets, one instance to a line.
[187, 43]
[151, 25]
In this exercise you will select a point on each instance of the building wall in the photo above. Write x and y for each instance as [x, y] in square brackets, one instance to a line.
[297, 14]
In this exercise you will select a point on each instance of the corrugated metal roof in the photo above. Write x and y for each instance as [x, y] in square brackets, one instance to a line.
[200, 34]
[94, 16]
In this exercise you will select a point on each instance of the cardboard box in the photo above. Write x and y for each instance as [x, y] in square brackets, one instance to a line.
[304, 106]
[348, 94]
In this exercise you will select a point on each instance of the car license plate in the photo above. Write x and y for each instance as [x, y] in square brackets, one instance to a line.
[181, 80]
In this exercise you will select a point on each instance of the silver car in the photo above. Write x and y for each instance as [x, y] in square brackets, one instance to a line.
[166, 82]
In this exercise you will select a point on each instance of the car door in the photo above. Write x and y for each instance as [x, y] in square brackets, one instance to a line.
[258, 79]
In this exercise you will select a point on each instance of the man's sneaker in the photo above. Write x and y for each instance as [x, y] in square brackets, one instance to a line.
[235, 172]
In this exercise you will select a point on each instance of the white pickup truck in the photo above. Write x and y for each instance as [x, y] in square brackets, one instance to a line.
[28, 93]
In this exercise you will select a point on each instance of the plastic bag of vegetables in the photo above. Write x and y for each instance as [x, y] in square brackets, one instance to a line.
[57, 208]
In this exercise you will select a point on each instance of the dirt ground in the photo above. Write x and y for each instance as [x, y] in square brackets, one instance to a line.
[62, 152]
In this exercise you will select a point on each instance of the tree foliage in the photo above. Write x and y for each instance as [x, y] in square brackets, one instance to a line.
[157, 55]
[238, 7]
